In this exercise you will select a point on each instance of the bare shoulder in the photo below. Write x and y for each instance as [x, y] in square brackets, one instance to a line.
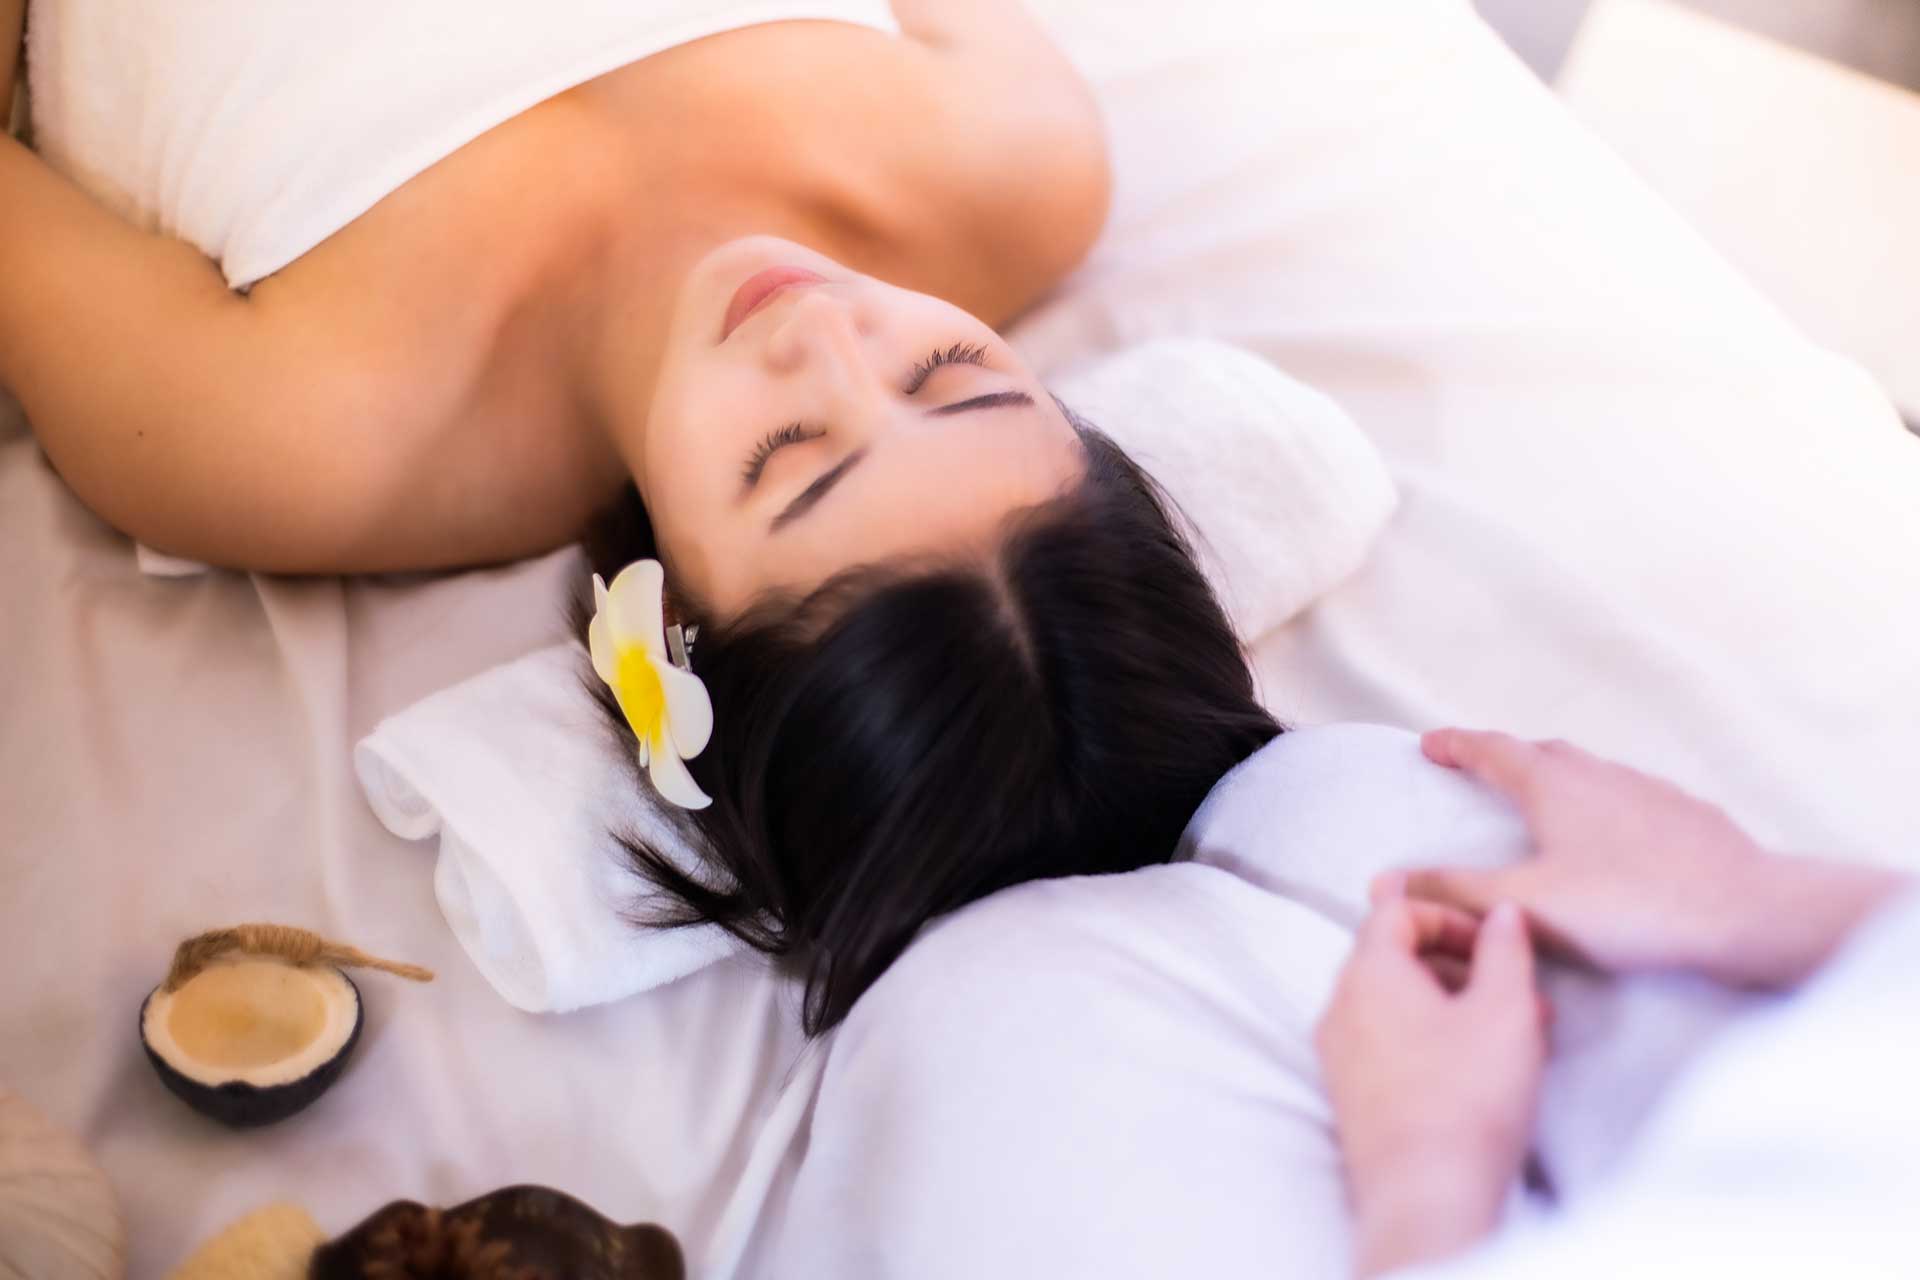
[1011, 139]
[1001, 154]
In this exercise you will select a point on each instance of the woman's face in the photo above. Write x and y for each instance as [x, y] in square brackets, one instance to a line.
[808, 419]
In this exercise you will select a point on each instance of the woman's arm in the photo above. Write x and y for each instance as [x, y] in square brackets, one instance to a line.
[152, 387]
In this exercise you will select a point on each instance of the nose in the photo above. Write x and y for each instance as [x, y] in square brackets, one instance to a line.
[822, 340]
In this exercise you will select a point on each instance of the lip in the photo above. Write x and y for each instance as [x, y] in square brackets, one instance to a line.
[760, 289]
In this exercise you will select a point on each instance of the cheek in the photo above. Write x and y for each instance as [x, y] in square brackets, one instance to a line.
[693, 543]
[689, 485]
[679, 502]
[679, 459]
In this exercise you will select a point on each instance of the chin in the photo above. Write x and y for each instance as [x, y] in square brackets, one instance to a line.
[735, 260]
[749, 253]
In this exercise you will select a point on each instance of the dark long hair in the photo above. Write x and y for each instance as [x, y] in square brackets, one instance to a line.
[907, 739]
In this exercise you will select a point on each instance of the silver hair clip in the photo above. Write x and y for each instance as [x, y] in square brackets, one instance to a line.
[680, 645]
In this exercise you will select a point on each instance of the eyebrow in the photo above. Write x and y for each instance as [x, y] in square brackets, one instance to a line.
[820, 488]
[997, 400]
[810, 496]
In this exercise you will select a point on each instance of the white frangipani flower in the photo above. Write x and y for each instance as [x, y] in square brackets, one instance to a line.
[667, 707]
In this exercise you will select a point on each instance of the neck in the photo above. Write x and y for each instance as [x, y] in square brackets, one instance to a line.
[626, 299]
[623, 317]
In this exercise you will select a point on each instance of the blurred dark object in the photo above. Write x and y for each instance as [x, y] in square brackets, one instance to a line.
[515, 1233]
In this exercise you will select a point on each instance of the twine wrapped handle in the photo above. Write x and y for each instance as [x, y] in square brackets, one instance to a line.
[296, 946]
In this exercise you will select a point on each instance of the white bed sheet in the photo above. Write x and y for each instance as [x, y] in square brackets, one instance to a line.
[1638, 510]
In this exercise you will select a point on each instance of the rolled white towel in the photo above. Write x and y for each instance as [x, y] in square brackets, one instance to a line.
[515, 773]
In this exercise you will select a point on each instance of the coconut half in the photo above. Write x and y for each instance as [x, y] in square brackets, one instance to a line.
[252, 1040]
[255, 1022]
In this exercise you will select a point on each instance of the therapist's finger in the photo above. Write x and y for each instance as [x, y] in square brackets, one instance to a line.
[1390, 940]
[1503, 961]
[1451, 972]
[1388, 928]
[1460, 888]
[1445, 930]
[1502, 761]
[1423, 924]
[1387, 886]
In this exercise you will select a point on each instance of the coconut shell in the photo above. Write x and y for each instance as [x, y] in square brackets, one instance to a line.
[245, 1106]
[234, 1062]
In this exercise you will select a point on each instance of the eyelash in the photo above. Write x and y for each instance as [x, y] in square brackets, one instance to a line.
[792, 433]
[958, 353]
[797, 432]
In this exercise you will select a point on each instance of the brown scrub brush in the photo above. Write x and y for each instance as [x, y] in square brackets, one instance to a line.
[515, 1233]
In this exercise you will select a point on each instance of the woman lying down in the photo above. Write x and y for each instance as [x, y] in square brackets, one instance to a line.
[376, 287]
[632, 260]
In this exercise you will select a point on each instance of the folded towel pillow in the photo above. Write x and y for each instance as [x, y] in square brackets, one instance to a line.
[1281, 494]
[515, 774]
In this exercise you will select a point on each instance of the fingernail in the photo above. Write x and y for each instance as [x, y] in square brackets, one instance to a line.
[1504, 916]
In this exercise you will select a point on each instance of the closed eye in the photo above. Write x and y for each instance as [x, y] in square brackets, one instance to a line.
[958, 353]
[775, 441]
[972, 353]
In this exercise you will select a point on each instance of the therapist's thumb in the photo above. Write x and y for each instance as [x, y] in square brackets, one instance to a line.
[1503, 961]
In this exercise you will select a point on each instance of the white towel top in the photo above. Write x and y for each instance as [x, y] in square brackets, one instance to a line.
[255, 131]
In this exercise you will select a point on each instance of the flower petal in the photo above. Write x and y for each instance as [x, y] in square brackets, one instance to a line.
[689, 711]
[600, 645]
[599, 594]
[635, 607]
[643, 753]
[671, 779]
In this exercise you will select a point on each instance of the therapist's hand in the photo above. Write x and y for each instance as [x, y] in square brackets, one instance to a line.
[1433, 1090]
[1632, 873]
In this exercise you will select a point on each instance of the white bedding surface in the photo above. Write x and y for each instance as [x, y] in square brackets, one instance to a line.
[1638, 511]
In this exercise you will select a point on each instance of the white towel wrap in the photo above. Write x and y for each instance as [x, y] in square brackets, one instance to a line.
[255, 131]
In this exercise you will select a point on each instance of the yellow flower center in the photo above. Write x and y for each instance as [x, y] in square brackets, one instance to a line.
[636, 686]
